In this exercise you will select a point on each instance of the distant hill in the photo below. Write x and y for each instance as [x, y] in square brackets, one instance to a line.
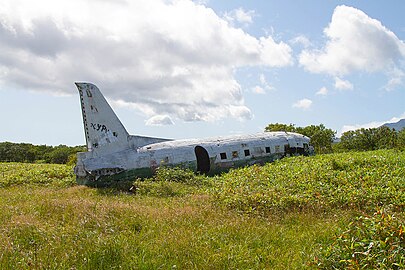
[398, 126]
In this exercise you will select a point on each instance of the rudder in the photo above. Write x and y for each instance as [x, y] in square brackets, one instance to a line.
[102, 128]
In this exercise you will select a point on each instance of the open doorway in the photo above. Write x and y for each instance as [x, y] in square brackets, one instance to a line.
[203, 160]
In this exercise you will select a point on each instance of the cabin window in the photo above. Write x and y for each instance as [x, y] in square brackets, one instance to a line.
[223, 155]
[235, 154]
[268, 150]
[277, 148]
[247, 152]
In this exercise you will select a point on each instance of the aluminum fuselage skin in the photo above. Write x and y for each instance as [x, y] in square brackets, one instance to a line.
[114, 155]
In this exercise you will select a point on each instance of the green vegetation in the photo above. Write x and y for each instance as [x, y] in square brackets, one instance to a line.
[26, 152]
[321, 137]
[358, 181]
[13, 174]
[354, 140]
[326, 211]
[372, 242]
[372, 139]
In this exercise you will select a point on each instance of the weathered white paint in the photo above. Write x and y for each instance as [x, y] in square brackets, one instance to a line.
[112, 150]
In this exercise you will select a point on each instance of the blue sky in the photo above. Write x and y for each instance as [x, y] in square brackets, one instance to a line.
[189, 69]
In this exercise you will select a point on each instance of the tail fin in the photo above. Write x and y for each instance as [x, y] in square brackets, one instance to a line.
[102, 127]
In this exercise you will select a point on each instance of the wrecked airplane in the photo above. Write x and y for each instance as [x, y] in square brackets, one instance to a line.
[113, 155]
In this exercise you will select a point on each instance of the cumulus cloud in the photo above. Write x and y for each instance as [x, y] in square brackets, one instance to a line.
[263, 87]
[343, 84]
[355, 42]
[240, 15]
[323, 91]
[373, 124]
[301, 40]
[304, 104]
[159, 120]
[174, 58]
[264, 82]
[396, 76]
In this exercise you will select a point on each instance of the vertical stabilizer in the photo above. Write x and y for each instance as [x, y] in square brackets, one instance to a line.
[102, 128]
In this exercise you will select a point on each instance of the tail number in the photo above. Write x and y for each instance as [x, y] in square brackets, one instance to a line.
[102, 128]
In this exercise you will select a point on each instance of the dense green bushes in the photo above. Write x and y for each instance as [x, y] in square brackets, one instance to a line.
[25, 152]
[364, 139]
[369, 242]
[358, 181]
[372, 139]
[170, 182]
[16, 174]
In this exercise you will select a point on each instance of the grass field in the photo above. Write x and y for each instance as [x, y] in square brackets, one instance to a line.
[327, 211]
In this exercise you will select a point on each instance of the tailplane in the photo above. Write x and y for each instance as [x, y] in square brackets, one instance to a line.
[103, 129]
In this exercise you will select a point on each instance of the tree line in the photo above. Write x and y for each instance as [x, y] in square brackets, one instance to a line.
[323, 139]
[26, 152]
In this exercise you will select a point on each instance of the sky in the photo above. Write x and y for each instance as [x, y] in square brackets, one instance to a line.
[191, 69]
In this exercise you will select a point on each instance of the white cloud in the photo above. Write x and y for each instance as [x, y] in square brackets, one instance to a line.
[356, 42]
[258, 90]
[302, 40]
[373, 124]
[240, 15]
[264, 82]
[396, 118]
[275, 54]
[174, 58]
[395, 78]
[159, 120]
[304, 104]
[343, 84]
[264, 85]
[201, 2]
[323, 91]
[359, 126]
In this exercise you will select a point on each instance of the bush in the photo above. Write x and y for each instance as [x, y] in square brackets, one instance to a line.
[375, 242]
[26, 152]
[175, 174]
[169, 182]
[357, 181]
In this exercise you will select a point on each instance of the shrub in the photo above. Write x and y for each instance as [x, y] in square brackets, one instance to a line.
[357, 181]
[169, 182]
[369, 242]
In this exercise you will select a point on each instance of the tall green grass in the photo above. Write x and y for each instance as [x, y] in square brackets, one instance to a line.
[293, 214]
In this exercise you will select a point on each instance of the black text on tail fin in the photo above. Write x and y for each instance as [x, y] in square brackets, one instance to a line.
[103, 130]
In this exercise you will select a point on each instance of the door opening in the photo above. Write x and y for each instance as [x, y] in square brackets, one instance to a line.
[203, 160]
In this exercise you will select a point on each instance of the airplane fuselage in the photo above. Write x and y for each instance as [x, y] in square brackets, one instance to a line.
[209, 156]
[114, 155]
